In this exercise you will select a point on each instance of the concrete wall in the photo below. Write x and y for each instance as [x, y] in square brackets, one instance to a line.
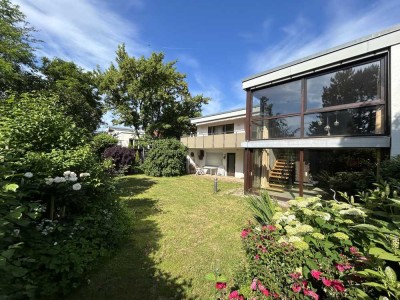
[395, 99]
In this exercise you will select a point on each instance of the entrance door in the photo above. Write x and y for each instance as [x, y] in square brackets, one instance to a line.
[231, 164]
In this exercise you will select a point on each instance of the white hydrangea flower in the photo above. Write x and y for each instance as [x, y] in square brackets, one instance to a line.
[58, 179]
[73, 174]
[28, 175]
[283, 239]
[82, 175]
[352, 211]
[67, 173]
[290, 218]
[76, 187]
[73, 178]
[293, 239]
[48, 180]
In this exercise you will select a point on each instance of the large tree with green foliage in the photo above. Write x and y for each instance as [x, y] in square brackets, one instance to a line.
[76, 90]
[149, 93]
[17, 59]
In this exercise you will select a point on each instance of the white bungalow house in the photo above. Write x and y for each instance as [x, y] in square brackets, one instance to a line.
[127, 137]
[216, 145]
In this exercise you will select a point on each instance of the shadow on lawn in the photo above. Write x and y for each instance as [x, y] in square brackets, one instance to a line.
[133, 273]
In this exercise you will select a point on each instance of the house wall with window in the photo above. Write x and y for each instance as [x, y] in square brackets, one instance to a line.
[217, 143]
[325, 116]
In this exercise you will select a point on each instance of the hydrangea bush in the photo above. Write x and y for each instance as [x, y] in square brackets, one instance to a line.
[318, 249]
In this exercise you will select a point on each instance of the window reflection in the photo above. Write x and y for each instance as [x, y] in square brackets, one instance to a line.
[357, 84]
[360, 121]
[278, 100]
[276, 128]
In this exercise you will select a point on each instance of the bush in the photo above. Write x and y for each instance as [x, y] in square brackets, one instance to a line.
[101, 141]
[123, 158]
[390, 170]
[55, 223]
[167, 157]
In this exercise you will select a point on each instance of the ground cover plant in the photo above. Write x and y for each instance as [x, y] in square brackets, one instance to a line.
[181, 232]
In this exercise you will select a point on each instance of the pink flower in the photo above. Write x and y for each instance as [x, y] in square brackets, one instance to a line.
[263, 249]
[220, 285]
[296, 288]
[305, 283]
[311, 293]
[338, 285]
[340, 267]
[275, 295]
[234, 295]
[253, 285]
[241, 297]
[245, 233]
[353, 250]
[363, 258]
[326, 282]
[295, 275]
[257, 257]
[263, 289]
[316, 274]
[271, 228]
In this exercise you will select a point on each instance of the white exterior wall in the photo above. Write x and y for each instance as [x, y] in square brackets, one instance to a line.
[239, 156]
[395, 99]
[238, 126]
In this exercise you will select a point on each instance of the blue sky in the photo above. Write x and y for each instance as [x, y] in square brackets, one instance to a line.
[216, 43]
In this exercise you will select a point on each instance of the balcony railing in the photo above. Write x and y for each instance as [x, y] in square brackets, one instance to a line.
[226, 140]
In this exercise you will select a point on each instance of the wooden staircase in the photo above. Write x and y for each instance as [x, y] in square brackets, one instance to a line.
[281, 173]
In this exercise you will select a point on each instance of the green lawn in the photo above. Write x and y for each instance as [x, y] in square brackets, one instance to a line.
[181, 232]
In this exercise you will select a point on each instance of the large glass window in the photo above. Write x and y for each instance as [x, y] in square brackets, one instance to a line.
[276, 128]
[347, 101]
[283, 99]
[352, 85]
[357, 121]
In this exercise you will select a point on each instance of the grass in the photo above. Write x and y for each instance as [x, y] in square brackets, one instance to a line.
[181, 231]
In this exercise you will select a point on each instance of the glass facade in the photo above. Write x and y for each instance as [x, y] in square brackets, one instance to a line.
[346, 102]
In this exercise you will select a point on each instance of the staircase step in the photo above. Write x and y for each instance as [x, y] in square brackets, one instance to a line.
[274, 189]
[275, 185]
[277, 176]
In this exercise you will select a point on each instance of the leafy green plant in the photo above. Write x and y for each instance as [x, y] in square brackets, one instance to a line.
[167, 157]
[101, 141]
[263, 208]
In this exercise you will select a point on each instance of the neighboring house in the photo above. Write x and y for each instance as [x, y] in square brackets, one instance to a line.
[216, 146]
[338, 109]
[127, 137]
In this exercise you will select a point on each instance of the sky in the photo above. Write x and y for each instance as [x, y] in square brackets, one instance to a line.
[216, 43]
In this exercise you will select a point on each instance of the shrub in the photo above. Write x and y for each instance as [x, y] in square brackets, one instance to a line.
[123, 158]
[390, 170]
[325, 249]
[167, 157]
[101, 141]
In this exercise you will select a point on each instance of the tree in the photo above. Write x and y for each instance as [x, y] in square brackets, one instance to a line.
[17, 59]
[151, 94]
[76, 89]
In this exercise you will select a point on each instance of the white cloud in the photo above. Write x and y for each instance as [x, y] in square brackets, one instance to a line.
[84, 31]
[344, 24]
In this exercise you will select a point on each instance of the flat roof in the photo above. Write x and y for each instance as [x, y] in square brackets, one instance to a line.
[324, 52]
[226, 115]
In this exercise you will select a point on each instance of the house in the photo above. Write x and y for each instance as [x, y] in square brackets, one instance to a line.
[127, 137]
[216, 145]
[327, 114]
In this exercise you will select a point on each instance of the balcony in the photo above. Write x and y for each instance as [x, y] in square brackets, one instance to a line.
[217, 141]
